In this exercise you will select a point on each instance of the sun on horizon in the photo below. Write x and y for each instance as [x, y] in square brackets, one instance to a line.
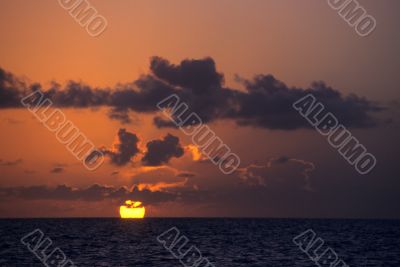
[132, 210]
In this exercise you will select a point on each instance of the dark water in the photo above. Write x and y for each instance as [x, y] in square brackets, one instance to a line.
[225, 242]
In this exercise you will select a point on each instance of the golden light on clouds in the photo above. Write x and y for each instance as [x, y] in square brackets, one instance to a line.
[196, 153]
[132, 210]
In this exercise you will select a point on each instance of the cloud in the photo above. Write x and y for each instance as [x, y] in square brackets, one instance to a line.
[283, 173]
[10, 163]
[186, 174]
[121, 115]
[268, 104]
[11, 90]
[77, 95]
[94, 192]
[162, 151]
[159, 151]
[162, 178]
[265, 103]
[200, 76]
[124, 149]
[57, 170]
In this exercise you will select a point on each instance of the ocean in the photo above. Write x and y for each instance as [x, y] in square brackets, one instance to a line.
[223, 242]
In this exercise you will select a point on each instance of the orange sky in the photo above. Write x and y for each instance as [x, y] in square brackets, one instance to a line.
[288, 38]
[298, 42]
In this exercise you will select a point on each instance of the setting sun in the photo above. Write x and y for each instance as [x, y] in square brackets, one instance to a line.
[132, 210]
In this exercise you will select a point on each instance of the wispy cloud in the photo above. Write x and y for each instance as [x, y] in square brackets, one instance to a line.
[10, 163]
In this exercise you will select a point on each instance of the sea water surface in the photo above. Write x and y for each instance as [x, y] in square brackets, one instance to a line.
[225, 242]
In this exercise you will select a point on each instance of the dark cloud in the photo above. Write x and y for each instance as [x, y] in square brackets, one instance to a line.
[125, 148]
[186, 174]
[200, 76]
[10, 163]
[141, 95]
[11, 90]
[121, 115]
[77, 95]
[268, 104]
[161, 151]
[57, 170]
[95, 192]
[158, 152]
[280, 160]
[280, 173]
[163, 123]
[266, 101]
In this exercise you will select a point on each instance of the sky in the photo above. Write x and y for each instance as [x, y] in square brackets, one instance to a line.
[239, 65]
